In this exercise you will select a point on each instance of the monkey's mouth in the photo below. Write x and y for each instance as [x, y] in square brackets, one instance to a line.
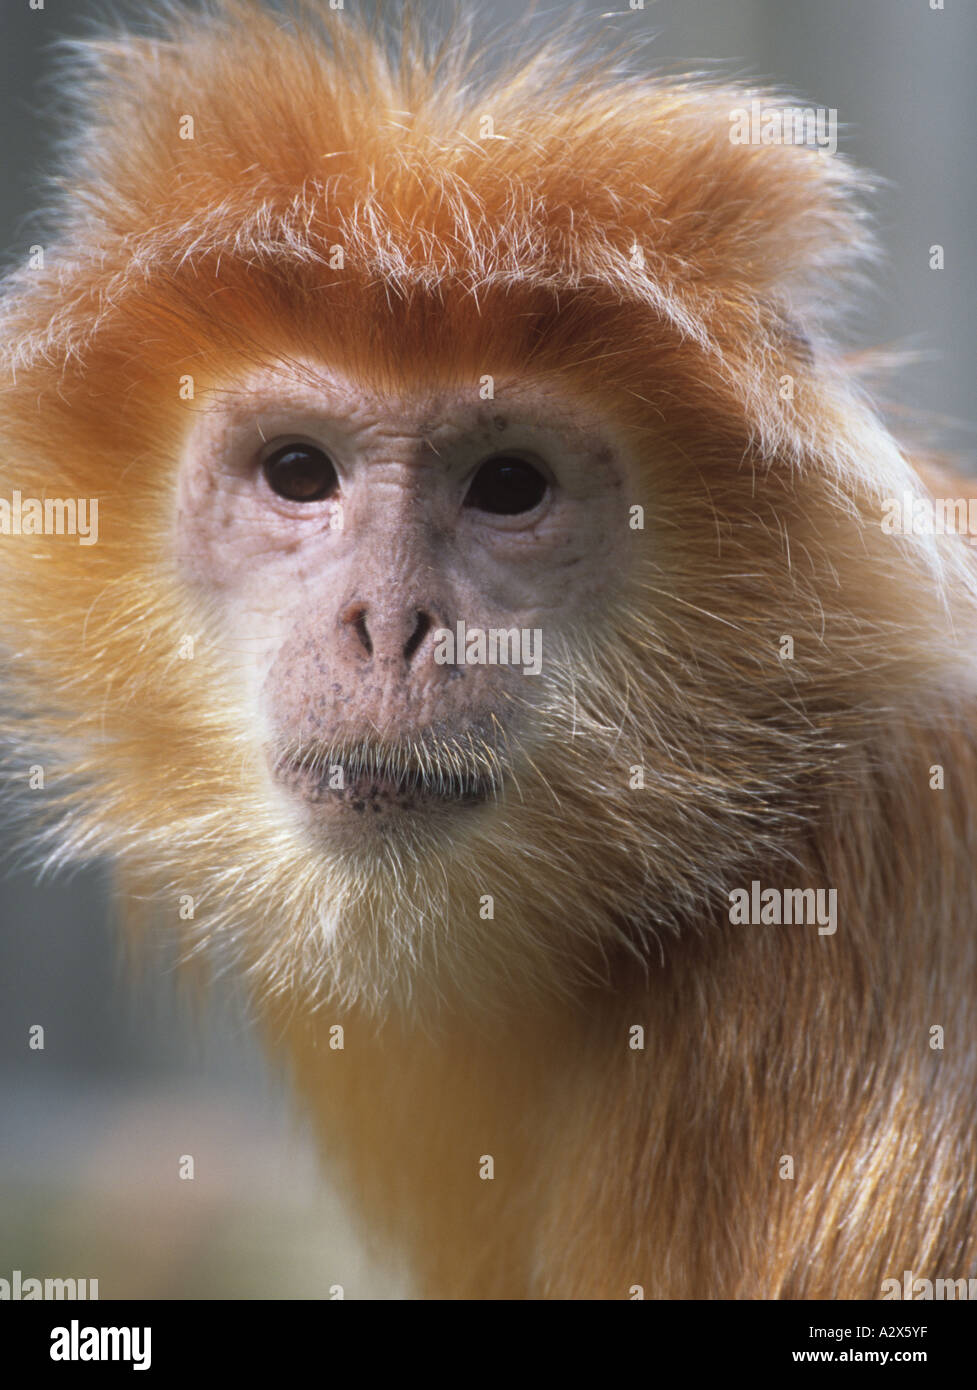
[374, 780]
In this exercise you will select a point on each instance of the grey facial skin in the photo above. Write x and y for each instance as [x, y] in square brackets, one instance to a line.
[335, 602]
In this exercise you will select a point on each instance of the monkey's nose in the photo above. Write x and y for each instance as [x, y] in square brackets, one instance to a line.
[387, 635]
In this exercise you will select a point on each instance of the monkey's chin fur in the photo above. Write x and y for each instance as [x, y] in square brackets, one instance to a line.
[418, 880]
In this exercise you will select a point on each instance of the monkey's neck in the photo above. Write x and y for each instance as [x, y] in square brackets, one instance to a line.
[750, 1149]
[440, 1139]
[787, 1088]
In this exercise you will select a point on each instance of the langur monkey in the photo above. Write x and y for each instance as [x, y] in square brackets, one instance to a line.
[495, 646]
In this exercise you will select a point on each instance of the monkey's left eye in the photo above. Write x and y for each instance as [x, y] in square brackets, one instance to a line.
[506, 486]
[301, 473]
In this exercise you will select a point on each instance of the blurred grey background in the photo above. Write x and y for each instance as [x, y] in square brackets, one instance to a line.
[131, 1073]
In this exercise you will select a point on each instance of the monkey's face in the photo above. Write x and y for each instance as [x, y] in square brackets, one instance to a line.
[356, 546]
[395, 572]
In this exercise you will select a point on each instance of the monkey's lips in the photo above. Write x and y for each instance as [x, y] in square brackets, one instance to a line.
[372, 788]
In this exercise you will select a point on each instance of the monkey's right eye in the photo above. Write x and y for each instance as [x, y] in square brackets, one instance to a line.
[506, 486]
[301, 473]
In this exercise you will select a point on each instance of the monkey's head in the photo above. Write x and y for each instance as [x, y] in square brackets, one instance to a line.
[488, 566]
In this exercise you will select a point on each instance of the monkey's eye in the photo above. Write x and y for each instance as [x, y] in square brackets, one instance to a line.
[300, 473]
[506, 486]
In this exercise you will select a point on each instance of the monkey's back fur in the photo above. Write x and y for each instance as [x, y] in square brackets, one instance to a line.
[606, 237]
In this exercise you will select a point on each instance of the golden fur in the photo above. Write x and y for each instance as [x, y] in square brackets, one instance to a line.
[465, 255]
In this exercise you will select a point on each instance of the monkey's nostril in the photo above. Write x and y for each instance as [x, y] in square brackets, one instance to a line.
[363, 633]
[421, 629]
[356, 619]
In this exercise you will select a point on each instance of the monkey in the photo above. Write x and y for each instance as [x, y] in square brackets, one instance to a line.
[375, 362]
